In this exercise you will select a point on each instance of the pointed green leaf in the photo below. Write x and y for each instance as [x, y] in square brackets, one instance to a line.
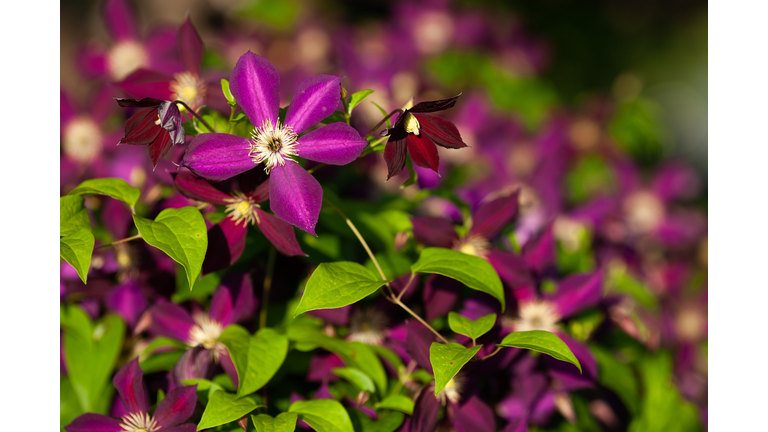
[413, 176]
[356, 98]
[384, 114]
[356, 377]
[335, 285]
[284, 422]
[112, 187]
[387, 422]
[266, 353]
[76, 249]
[323, 415]
[543, 342]
[469, 328]
[180, 233]
[397, 402]
[470, 270]
[447, 360]
[73, 216]
[227, 92]
[225, 407]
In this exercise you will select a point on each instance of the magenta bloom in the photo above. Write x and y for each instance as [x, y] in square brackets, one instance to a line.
[177, 407]
[295, 196]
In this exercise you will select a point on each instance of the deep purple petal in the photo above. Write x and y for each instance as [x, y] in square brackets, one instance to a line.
[279, 233]
[436, 105]
[426, 411]
[338, 316]
[567, 374]
[170, 120]
[322, 365]
[177, 406]
[145, 83]
[172, 321]
[92, 61]
[395, 154]
[240, 286]
[160, 147]
[423, 151]
[539, 252]
[441, 131]
[102, 104]
[221, 306]
[161, 46]
[67, 110]
[129, 384]
[128, 301]
[255, 84]
[140, 128]
[517, 425]
[261, 193]
[191, 47]
[90, 422]
[229, 367]
[295, 196]
[474, 416]
[492, 216]
[432, 231]
[334, 144]
[417, 344]
[186, 427]
[512, 268]
[218, 156]
[440, 295]
[315, 99]
[578, 292]
[120, 20]
[194, 363]
[192, 186]
[226, 242]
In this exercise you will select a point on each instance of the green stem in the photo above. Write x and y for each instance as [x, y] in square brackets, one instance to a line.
[383, 120]
[399, 296]
[230, 126]
[267, 287]
[137, 236]
[491, 354]
[194, 114]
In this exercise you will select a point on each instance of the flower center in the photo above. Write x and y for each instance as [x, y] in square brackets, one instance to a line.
[242, 208]
[367, 326]
[125, 58]
[644, 211]
[273, 144]
[473, 245]
[82, 139]
[139, 422]
[452, 391]
[188, 88]
[537, 315]
[411, 123]
[206, 332]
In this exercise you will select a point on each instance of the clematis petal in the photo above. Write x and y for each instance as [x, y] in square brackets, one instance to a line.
[432, 106]
[147, 84]
[440, 295]
[128, 301]
[334, 144]
[92, 61]
[160, 147]
[295, 196]
[255, 84]
[186, 427]
[128, 382]
[423, 151]
[492, 216]
[221, 306]
[192, 186]
[177, 406]
[417, 344]
[245, 302]
[433, 231]
[229, 367]
[426, 411]
[172, 321]
[395, 154]
[261, 193]
[170, 120]
[322, 365]
[67, 110]
[190, 47]
[578, 292]
[194, 363]
[140, 128]
[279, 233]
[161, 45]
[218, 156]
[567, 374]
[121, 23]
[539, 252]
[90, 422]
[441, 131]
[146, 102]
[512, 268]
[226, 242]
[474, 416]
[315, 99]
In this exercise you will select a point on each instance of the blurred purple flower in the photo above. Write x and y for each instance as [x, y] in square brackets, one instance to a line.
[159, 126]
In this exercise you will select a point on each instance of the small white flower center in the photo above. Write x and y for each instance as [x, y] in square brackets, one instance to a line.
[188, 88]
[411, 123]
[644, 211]
[452, 390]
[367, 326]
[473, 245]
[206, 332]
[537, 315]
[125, 58]
[273, 144]
[82, 139]
[242, 208]
[139, 422]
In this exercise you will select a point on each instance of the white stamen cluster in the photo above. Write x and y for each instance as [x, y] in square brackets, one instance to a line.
[452, 391]
[537, 315]
[125, 58]
[139, 422]
[473, 245]
[273, 144]
[242, 208]
[82, 139]
[188, 88]
[206, 332]
[367, 326]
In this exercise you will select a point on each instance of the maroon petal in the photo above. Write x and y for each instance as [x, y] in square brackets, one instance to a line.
[334, 144]
[539, 252]
[129, 384]
[229, 367]
[322, 365]
[177, 406]
[128, 301]
[245, 302]
[255, 84]
[194, 363]
[145, 83]
[432, 231]
[67, 110]
[440, 295]
[417, 344]
[567, 374]
[221, 306]
[578, 292]
[146, 102]
[226, 242]
[440, 131]
[426, 411]
[492, 216]
[197, 188]
[160, 147]
[261, 193]
[394, 154]
[432, 106]
[315, 99]
[191, 47]
[218, 156]
[141, 129]
[186, 427]
[90, 422]
[474, 416]
[512, 268]
[338, 316]
[172, 321]
[120, 20]
[423, 151]
[279, 233]
[517, 425]
[295, 196]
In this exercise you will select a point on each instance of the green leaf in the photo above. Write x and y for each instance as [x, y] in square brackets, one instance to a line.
[76, 249]
[617, 376]
[384, 114]
[397, 402]
[388, 422]
[225, 407]
[543, 342]
[447, 360]
[203, 288]
[356, 98]
[73, 216]
[227, 92]
[356, 377]
[180, 233]
[323, 415]
[469, 328]
[470, 270]
[257, 358]
[413, 176]
[335, 285]
[112, 187]
[284, 422]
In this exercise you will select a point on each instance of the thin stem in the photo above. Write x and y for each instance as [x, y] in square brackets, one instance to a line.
[419, 319]
[413, 275]
[491, 354]
[474, 342]
[383, 120]
[194, 114]
[315, 168]
[267, 287]
[231, 117]
[137, 236]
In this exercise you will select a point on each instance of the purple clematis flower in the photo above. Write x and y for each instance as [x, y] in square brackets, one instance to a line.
[177, 407]
[295, 196]
[158, 126]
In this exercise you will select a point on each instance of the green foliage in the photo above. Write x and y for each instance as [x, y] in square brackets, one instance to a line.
[543, 342]
[356, 377]
[355, 99]
[469, 328]
[257, 358]
[618, 377]
[470, 270]
[180, 233]
[227, 93]
[112, 187]
[284, 422]
[203, 288]
[73, 216]
[388, 422]
[636, 127]
[590, 177]
[224, 407]
[447, 360]
[397, 402]
[335, 285]
[324, 415]
[76, 249]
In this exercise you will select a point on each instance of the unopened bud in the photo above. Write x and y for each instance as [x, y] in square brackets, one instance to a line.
[243, 422]
[343, 92]
[401, 239]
